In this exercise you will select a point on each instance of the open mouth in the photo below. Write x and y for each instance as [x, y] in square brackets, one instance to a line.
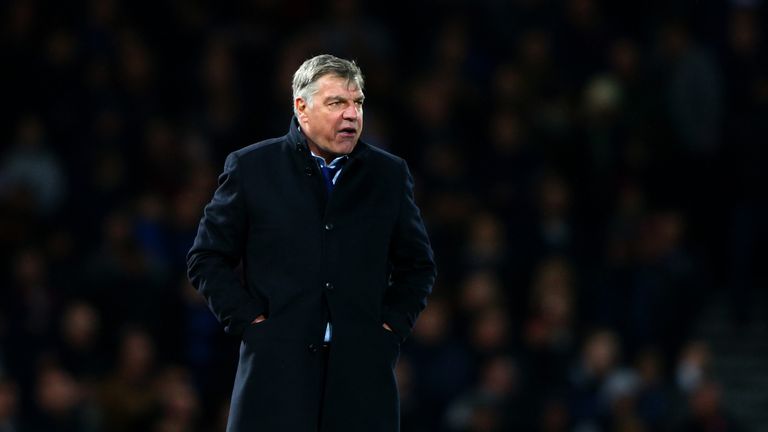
[347, 131]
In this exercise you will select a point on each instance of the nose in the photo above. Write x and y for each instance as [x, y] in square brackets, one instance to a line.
[350, 112]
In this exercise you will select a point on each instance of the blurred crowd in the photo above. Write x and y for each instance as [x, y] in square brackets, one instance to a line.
[588, 170]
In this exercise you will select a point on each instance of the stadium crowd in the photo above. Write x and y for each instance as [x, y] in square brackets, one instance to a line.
[588, 170]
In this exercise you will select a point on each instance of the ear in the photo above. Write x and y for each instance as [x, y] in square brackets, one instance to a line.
[301, 107]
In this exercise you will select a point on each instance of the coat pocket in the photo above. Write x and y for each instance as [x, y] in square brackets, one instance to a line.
[391, 346]
[257, 331]
[392, 336]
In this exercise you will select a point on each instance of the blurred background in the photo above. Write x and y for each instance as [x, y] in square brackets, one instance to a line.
[589, 172]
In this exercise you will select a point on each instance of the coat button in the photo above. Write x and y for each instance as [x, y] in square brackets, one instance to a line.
[328, 226]
[308, 171]
[329, 286]
[312, 348]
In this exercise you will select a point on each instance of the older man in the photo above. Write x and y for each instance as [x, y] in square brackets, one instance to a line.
[336, 260]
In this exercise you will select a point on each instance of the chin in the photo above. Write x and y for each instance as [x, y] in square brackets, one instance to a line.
[344, 148]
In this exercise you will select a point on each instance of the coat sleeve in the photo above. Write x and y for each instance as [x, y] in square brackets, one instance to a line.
[412, 265]
[217, 251]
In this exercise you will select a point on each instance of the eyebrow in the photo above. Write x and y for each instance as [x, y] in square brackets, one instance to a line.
[342, 99]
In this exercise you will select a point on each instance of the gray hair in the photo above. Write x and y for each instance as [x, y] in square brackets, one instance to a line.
[306, 76]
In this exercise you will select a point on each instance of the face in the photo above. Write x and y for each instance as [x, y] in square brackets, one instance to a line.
[334, 121]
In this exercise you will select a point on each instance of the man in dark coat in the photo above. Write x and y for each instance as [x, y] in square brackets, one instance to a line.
[336, 265]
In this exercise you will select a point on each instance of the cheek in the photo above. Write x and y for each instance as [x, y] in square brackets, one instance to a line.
[332, 124]
[330, 129]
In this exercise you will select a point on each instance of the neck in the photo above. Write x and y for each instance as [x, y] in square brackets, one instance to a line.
[327, 156]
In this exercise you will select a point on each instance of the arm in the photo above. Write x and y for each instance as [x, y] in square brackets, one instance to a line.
[219, 248]
[412, 265]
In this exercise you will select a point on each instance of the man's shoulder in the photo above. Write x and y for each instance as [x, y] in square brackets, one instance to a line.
[263, 148]
[382, 156]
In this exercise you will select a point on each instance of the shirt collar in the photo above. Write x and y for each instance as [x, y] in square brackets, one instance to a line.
[333, 163]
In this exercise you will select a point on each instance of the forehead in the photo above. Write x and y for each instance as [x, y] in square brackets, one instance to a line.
[332, 85]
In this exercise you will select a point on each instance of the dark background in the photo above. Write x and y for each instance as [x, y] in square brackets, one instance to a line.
[589, 172]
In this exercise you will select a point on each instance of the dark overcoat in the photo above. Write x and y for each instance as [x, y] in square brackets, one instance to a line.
[357, 258]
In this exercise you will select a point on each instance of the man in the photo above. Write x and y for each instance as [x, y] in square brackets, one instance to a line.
[337, 265]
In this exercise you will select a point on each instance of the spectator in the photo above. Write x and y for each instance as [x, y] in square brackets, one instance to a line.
[494, 405]
[8, 406]
[445, 364]
[549, 335]
[693, 367]
[80, 346]
[706, 411]
[179, 403]
[590, 378]
[32, 167]
[61, 404]
[127, 399]
[653, 402]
